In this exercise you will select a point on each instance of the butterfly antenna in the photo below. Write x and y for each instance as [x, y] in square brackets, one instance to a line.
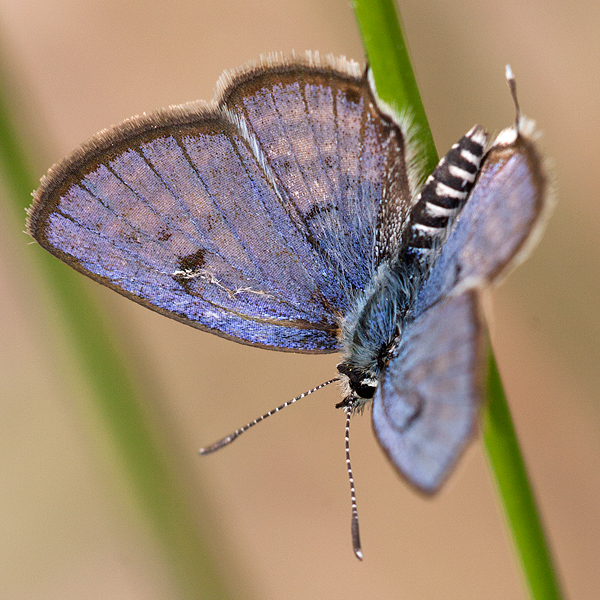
[355, 532]
[512, 86]
[229, 438]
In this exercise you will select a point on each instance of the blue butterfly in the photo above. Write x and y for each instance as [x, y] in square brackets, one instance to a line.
[292, 213]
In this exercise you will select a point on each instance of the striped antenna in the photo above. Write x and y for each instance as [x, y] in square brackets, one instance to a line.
[232, 436]
[355, 532]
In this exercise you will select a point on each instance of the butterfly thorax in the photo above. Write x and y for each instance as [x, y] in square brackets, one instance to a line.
[373, 328]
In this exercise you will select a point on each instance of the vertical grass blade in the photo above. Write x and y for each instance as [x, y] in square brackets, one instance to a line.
[510, 473]
[381, 31]
[117, 397]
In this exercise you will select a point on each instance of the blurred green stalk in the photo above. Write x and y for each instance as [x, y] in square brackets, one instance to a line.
[382, 36]
[116, 394]
[517, 496]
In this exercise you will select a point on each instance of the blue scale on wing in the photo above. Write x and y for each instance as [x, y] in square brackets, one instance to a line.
[309, 202]
[425, 408]
[134, 183]
[360, 191]
[331, 129]
[141, 278]
[100, 208]
[253, 213]
[190, 225]
[353, 166]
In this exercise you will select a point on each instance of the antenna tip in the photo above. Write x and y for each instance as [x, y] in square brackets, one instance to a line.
[508, 73]
[512, 86]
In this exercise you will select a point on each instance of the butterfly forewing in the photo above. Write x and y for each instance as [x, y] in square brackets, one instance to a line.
[149, 218]
[334, 156]
[210, 214]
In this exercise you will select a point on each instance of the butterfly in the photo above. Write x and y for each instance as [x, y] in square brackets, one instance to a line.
[293, 213]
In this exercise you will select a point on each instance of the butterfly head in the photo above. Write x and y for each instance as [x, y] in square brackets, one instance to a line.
[358, 386]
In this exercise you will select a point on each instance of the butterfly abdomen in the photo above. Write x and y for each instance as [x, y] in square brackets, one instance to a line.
[444, 194]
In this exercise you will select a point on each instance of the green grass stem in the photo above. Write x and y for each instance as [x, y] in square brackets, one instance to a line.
[117, 396]
[381, 30]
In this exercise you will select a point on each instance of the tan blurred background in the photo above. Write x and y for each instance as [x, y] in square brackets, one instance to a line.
[69, 526]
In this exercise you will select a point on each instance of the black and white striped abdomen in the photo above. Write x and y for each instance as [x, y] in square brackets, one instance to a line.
[444, 194]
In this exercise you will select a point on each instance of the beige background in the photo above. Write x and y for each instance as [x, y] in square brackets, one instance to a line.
[69, 527]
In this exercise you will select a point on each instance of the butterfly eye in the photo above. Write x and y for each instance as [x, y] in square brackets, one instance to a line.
[365, 388]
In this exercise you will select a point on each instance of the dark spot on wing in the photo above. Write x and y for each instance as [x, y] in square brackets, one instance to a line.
[353, 96]
[192, 262]
[164, 235]
[319, 209]
[189, 268]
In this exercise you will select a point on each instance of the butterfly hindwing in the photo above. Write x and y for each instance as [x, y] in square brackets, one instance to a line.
[500, 221]
[426, 405]
[207, 213]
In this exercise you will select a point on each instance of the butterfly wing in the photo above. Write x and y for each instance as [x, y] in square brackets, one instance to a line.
[425, 409]
[499, 224]
[337, 158]
[233, 218]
